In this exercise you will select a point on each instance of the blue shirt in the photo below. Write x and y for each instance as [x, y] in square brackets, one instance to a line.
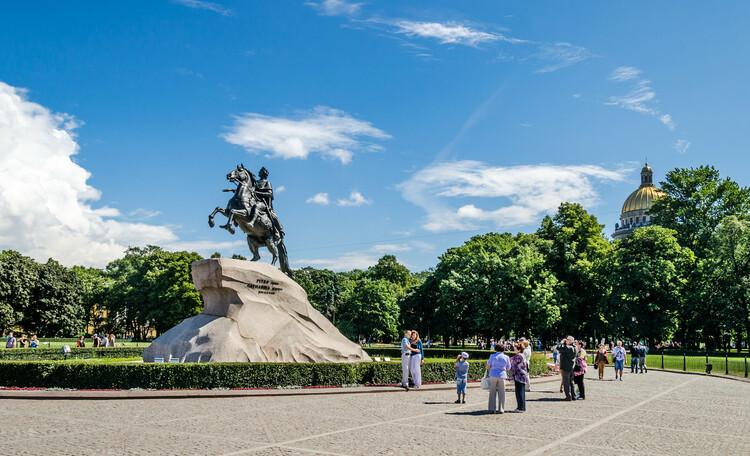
[420, 348]
[619, 353]
[498, 364]
[462, 370]
[405, 343]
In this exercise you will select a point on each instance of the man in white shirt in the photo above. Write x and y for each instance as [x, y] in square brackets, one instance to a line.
[406, 352]
[619, 356]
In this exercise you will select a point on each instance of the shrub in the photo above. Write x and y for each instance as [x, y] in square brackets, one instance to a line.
[45, 354]
[81, 375]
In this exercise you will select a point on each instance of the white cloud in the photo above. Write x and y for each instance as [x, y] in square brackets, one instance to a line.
[641, 97]
[197, 4]
[555, 56]
[45, 201]
[358, 259]
[280, 189]
[391, 248]
[328, 132]
[682, 145]
[142, 214]
[345, 262]
[205, 247]
[524, 193]
[318, 198]
[449, 33]
[336, 7]
[355, 199]
[624, 74]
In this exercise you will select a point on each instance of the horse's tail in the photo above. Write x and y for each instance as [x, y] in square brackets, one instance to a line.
[284, 260]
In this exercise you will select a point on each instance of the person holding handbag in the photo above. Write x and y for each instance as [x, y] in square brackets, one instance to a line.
[601, 360]
[497, 366]
[580, 370]
[520, 372]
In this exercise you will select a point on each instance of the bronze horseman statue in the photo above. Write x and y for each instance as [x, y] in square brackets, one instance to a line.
[251, 209]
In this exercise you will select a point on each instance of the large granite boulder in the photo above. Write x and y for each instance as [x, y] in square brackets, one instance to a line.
[253, 313]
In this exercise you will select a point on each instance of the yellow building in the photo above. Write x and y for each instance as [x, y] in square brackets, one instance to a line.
[634, 209]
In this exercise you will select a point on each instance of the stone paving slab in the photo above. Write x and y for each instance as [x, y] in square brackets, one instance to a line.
[670, 414]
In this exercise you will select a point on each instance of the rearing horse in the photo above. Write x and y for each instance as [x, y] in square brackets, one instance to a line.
[250, 214]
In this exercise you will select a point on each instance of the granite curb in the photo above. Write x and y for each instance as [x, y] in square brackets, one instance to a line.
[205, 394]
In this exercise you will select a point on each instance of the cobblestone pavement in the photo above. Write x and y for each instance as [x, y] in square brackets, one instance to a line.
[646, 414]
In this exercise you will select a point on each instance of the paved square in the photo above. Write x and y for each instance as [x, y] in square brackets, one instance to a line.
[650, 414]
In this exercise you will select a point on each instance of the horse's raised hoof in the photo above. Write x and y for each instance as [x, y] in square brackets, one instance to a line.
[211, 222]
[228, 227]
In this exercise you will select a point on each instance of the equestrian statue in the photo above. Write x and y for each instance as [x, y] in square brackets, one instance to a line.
[251, 209]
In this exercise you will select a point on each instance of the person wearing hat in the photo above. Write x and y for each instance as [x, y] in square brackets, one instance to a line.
[567, 362]
[462, 376]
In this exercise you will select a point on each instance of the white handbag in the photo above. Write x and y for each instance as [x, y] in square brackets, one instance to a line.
[485, 383]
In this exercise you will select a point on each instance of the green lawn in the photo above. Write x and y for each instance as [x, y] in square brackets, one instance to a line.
[721, 365]
[51, 343]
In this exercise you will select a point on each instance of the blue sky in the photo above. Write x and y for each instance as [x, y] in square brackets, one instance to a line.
[388, 127]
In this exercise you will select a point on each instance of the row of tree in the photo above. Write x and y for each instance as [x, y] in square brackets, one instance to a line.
[148, 290]
[685, 278]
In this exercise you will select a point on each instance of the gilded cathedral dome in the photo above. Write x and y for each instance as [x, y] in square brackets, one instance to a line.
[641, 199]
[634, 210]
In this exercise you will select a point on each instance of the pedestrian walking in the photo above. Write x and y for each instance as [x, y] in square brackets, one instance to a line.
[634, 355]
[601, 360]
[462, 376]
[642, 352]
[520, 373]
[567, 364]
[498, 364]
[619, 356]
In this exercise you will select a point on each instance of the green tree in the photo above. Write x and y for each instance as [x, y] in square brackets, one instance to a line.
[729, 264]
[94, 285]
[371, 310]
[166, 289]
[123, 300]
[388, 268]
[55, 309]
[648, 279]
[18, 275]
[326, 290]
[576, 254]
[695, 201]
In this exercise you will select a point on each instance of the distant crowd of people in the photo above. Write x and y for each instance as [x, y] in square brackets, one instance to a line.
[21, 342]
[97, 340]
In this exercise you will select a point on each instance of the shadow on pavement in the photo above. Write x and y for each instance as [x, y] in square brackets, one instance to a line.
[470, 413]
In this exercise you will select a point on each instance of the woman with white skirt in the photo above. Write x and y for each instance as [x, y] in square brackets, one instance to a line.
[416, 359]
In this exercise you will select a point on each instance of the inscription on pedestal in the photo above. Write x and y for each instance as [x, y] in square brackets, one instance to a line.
[263, 286]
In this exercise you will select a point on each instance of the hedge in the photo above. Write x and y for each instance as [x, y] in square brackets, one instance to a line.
[83, 375]
[44, 354]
